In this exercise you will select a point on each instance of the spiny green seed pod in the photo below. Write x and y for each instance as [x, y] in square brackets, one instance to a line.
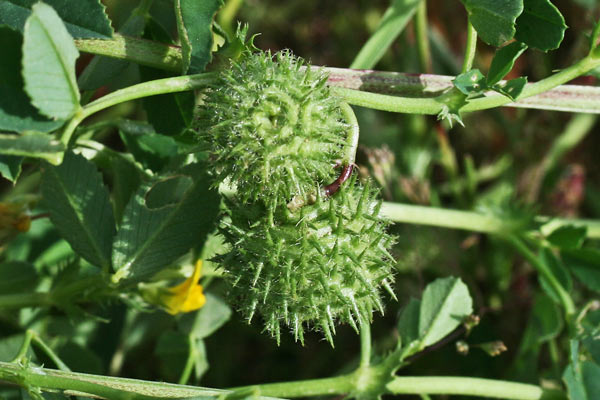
[273, 127]
[310, 268]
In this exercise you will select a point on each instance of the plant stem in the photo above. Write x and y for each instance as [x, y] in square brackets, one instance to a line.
[141, 51]
[472, 221]
[470, 48]
[448, 385]
[365, 343]
[409, 105]
[571, 98]
[544, 270]
[353, 134]
[22, 300]
[392, 23]
[433, 106]
[145, 89]
[189, 363]
[579, 68]
[47, 299]
[227, 14]
[313, 387]
[49, 352]
[421, 32]
[122, 388]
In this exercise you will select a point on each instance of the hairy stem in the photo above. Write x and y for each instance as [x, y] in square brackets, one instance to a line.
[470, 48]
[121, 388]
[435, 105]
[141, 51]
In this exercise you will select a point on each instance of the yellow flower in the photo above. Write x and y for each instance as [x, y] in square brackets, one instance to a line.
[187, 296]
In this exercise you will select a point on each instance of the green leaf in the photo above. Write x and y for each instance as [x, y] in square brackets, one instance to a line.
[10, 167]
[541, 26]
[79, 207]
[446, 303]
[16, 112]
[33, 144]
[80, 358]
[172, 349]
[169, 114]
[150, 239]
[494, 20]
[511, 89]
[10, 345]
[556, 266]
[591, 341]
[408, 323]
[152, 150]
[121, 171]
[595, 36]
[208, 319]
[84, 19]
[49, 55]
[546, 319]
[582, 377]
[472, 82]
[194, 24]
[504, 60]
[585, 264]
[17, 277]
[392, 24]
[568, 236]
[544, 323]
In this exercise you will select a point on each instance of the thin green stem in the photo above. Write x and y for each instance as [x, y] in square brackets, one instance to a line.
[227, 14]
[421, 32]
[392, 23]
[353, 134]
[189, 363]
[409, 105]
[544, 270]
[24, 347]
[49, 352]
[470, 48]
[47, 299]
[365, 343]
[473, 221]
[448, 385]
[145, 89]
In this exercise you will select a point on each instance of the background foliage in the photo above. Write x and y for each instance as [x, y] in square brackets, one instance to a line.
[136, 198]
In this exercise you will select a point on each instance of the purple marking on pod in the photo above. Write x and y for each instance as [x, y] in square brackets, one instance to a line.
[333, 187]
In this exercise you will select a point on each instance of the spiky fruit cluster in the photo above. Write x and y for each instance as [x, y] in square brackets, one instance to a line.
[321, 264]
[274, 129]
[305, 253]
